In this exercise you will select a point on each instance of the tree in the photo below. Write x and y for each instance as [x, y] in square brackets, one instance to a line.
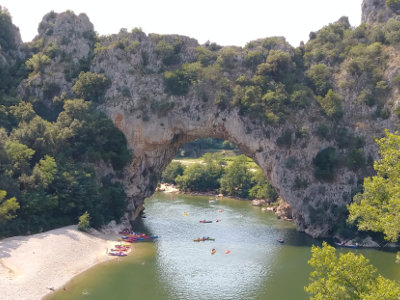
[377, 208]
[172, 171]
[91, 86]
[331, 104]
[262, 188]
[19, 155]
[7, 207]
[236, 179]
[45, 170]
[320, 78]
[84, 222]
[348, 276]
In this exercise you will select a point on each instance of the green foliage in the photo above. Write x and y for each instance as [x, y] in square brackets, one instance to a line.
[19, 156]
[7, 207]
[237, 179]
[205, 56]
[348, 276]
[278, 65]
[331, 104]
[320, 78]
[377, 207]
[91, 86]
[325, 164]
[252, 59]
[84, 222]
[227, 58]
[52, 50]
[45, 170]
[173, 170]
[37, 63]
[7, 40]
[355, 159]
[202, 177]
[262, 189]
[47, 167]
[169, 52]
[176, 83]
[391, 31]
[393, 4]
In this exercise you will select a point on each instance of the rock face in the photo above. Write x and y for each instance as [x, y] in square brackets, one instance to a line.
[284, 211]
[376, 11]
[157, 123]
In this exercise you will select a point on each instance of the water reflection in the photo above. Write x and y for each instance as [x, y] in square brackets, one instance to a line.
[175, 267]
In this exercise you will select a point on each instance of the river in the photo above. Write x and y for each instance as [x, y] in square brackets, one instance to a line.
[174, 267]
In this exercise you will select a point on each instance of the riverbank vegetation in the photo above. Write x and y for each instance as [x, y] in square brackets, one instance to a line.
[347, 276]
[237, 175]
[53, 148]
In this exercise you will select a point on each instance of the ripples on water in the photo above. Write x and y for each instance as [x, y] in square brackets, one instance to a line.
[176, 268]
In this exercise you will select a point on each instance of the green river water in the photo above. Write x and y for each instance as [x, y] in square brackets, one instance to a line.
[175, 267]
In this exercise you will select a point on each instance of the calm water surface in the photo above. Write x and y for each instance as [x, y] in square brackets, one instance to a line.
[175, 267]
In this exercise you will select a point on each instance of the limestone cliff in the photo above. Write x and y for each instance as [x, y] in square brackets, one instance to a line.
[157, 120]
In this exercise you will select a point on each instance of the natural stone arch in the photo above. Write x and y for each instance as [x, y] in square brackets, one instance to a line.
[156, 142]
[157, 122]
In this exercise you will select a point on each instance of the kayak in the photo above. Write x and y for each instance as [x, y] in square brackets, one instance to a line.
[203, 239]
[204, 221]
[117, 254]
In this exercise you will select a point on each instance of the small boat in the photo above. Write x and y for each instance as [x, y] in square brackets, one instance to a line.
[203, 239]
[280, 241]
[185, 214]
[205, 221]
[117, 254]
[343, 244]
[119, 250]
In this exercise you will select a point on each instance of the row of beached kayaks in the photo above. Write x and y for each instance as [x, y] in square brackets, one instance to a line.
[138, 237]
[127, 238]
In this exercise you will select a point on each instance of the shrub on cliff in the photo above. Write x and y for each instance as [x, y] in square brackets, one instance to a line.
[176, 83]
[91, 86]
[325, 164]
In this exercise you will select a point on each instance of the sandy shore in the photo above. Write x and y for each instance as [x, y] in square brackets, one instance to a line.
[168, 188]
[30, 266]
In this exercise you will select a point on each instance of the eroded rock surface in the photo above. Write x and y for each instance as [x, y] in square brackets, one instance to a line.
[157, 123]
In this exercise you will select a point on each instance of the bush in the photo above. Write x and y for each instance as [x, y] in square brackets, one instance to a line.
[84, 222]
[320, 78]
[331, 104]
[91, 86]
[325, 164]
[176, 83]
[355, 159]
[173, 170]
[169, 53]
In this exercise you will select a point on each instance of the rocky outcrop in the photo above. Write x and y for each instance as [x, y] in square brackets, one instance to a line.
[284, 211]
[157, 123]
[68, 40]
[374, 11]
